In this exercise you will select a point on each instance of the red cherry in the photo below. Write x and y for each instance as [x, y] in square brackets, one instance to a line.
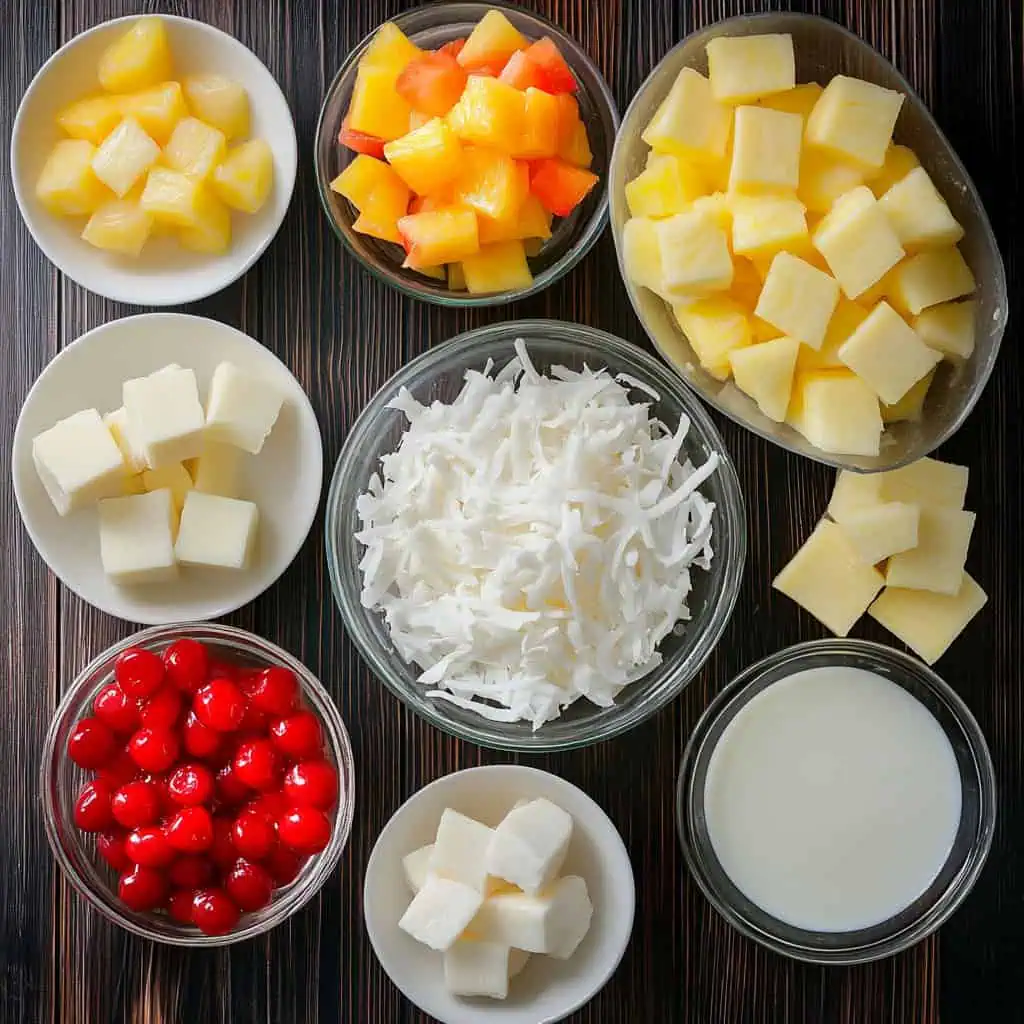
[222, 850]
[190, 830]
[284, 864]
[92, 808]
[313, 784]
[136, 804]
[249, 885]
[231, 790]
[220, 705]
[149, 847]
[223, 670]
[200, 740]
[91, 743]
[190, 784]
[154, 750]
[119, 770]
[254, 721]
[162, 710]
[257, 765]
[276, 691]
[299, 736]
[247, 678]
[116, 710]
[179, 905]
[190, 872]
[110, 846]
[253, 835]
[186, 664]
[304, 829]
[138, 672]
[214, 912]
[272, 804]
[142, 888]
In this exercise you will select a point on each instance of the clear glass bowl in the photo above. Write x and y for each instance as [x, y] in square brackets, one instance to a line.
[824, 49]
[429, 27]
[970, 847]
[438, 375]
[61, 780]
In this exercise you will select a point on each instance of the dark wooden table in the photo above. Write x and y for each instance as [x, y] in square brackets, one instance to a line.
[343, 334]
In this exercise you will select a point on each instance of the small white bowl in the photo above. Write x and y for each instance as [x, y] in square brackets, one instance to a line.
[164, 274]
[284, 479]
[547, 990]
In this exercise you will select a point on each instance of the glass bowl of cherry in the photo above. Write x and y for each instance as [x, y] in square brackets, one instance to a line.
[198, 784]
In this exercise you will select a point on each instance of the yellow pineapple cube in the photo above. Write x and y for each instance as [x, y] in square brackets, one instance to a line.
[427, 159]
[491, 183]
[376, 107]
[690, 122]
[837, 412]
[246, 176]
[948, 328]
[854, 120]
[798, 299]
[667, 187]
[765, 373]
[798, 100]
[390, 48]
[744, 68]
[718, 206]
[125, 156]
[219, 102]
[119, 225]
[765, 150]
[746, 284]
[823, 179]
[195, 148]
[899, 162]
[714, 327]
[93, 118]
[848, 316]
[910, 408]
[139, 58]
[158, 109]
[931, 277]
[211, 230]
[67, 185]
[493, 40]
[172, 197]
[456, 278]
[378, 193]
[764, 225]
[694, 254]
[918, 213]
[489, 113]
[641, 254]
[531, 221]
[499, 267]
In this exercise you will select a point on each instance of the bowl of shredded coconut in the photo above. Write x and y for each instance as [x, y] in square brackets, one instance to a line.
[535, 535]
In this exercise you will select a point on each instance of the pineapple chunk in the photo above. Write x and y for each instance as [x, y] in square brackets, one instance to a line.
[493, 40]
[899, 162]
[857, 241]
[376, 107]
[763, 225]
[220, 102]
[929, 278]
[491, 183]
[937, 562]
[910, 408]
[854, 120]
[744, 68]
[500, 267]
[427, 159]
[120, 225]
[765, 150]
[531, 220]
[390, 48]
[378, 193]
[195, 148]
[439, 236]
[573, 141]
[246, 176]
[456, 278]
[694, 254]
[798, 100]
[665, 188]
[541, 127]
[125, 156]
[877, 532]
[489, 113]
[67, 185]
[918, 213]
[92, 119]
[836, 412]
[690, 122]
[848, 316]
[798, 299]
[157, 110]
[641, 255]
[746, 284]
[926, 482]
[211, 232]
[948, 328]
[823, 179]
[139, 58]
[714, 327]
[765, 372]
[717, 205]
[172, 197]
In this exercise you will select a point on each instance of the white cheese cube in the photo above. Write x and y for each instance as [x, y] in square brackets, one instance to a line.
[948, 328]
[174, 477]
[132, 452]
[416, 866]
[798, 299]
[937, 562]
[78, 462]
[765, 150]
[878, 531]
[477, 969]
[440, 912]
[217, 469]
[460, 850]
[918, 213]
[690, 122]
[124, 157]
[216, 531]
[853, 492]
[694, 254]
[529, 846]
[931, 277]
[854, 119]
[714, 327]
[928, 623]
[765, 372]
[926, 482]
[164, 415]
[911, 406]
[742, 68]
[827, 578]
[763, 225]
[836, 412]
[242, 408]
[137, 538]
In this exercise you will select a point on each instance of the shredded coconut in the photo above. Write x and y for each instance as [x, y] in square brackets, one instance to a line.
[530, 543]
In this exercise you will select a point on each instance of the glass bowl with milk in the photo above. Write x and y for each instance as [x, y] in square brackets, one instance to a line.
[836, 802]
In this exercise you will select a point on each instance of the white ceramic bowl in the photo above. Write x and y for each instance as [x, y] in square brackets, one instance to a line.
[164, 274]
[284, 479]
[547, 990]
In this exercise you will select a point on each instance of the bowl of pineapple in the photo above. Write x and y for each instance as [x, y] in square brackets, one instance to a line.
[802, 243]
[153, 159]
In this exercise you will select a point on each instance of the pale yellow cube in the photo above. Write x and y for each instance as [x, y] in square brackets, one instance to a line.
[714, 327]
[948, 328]
[67, 185]
[719, 206]
[878, 531]
[690, 122]
[195, 148]
[765, 373]
[665, 188]
[837, 412]
[798, 299]
[245, 178]
[137, 58]
[218, 469]
[120, 225]
[928, 623]
[125, 156]
[899, 162]
[824, 178]
[210, 231]
[695, 255]
[93, 118]
[175, 477]
[937, 562]
[157, 110]
[918, 214]
[746, 284]
[827, 578]
[910, 408]
[764, 225]
[499, 261]
[929, 278]
[765, 150]
[220, 102]
[743, 68]
[926, 482]
[848, 316]
[853, 492]
[798, 100]
[172, 197]
[854, 119]
[641, 254]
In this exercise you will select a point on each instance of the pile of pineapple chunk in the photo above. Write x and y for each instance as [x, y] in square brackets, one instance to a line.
[150, 154]
[803, 254]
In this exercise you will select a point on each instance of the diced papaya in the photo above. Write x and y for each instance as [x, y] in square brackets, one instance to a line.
[559, 186]
[360, 142]
[500, 267]
[540, 126]
[521, 73]
[530, 221]
[492, 183]
[493, 70]
[490, 113]
[453, 47]
[427, 159]
[493, 40]
[573, 143]
[390, 48]
[376, 108]
[380, 195]
[556, 75]
[438, 236]
[432, 83]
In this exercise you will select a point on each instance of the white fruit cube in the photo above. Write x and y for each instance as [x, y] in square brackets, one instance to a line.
[718, 206]
[477, 969]
[694, 254]
[926, 482]
[460, 850]
[886, 353]
[798, 100]
[217, 469]
[120, 226]
[849, 315]
[765, 372]
[824, 178]
[173, 477]
[668, 186]
[195, 148]
[132, 452]
[67, 185]
[857, 241]
[528, 847]
[764, 225]
[440, 912]
[910, 408]
[853, 492]
[854, 119]
[416, 867]
[929, 278]
[714, 327]
[928, 623]
[798, 299]
[219, 102]
[641, 255]
[878, 531]
[215, 531]
[827, 578]
[124, 157]
[837, 413]
[242, 408]
[948, 328]
[742, 68]
[937, 562]
[137, 538]
[918, 213]
[690, 122]
[899, 162]
[765, 150]
[164, 415]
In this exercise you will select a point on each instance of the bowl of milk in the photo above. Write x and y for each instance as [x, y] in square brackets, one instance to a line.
[836, 802]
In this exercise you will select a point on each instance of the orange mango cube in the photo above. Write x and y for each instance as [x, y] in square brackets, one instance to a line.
[521, 73]
[559, 186]
[438, 236]
[492, 183]
[556, 75]
[541, 124]
[490, 113]
[432, 84]
[427, 159]
[493, 40]
[500, 267]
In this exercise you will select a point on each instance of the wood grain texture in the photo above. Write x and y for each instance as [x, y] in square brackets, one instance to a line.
[343, 334]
